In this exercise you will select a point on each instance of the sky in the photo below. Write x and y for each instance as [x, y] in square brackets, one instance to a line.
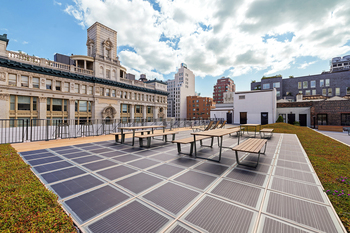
[240, 39]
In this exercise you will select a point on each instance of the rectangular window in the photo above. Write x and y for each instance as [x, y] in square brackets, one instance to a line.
[76, 88]
[313, 84]
[307, 92]
[345, 119]
[65, 105]
[328, 82]
[12, 80]
[329, 91]
[137, 109]
[83, 89]
[348, 90]
[266, 86]
[48, 104]
[101, 91]
[58, 85]
[305, 84]
[24, 81]
[241, 97]
[49, 84]
[66, 87]
[107, 92]
[149, 109]
[322, 119]
[56, 105]
[35, 101]
[321, 83]
[313, 92]
[113, 93]
[108, 74]
[35, 82]
[324, 92]
[23, 103]
[124, 108]
[12, 102]
[90, 90]
[276, 85]
[278, 93]
[299, 85]
[337, 91]
[83, 106]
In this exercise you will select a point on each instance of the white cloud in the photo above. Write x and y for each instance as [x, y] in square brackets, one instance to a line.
[232, 35]
[25, 42]
[306, 64]
[57, 3]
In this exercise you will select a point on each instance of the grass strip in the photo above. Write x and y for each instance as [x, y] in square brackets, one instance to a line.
[26, 204]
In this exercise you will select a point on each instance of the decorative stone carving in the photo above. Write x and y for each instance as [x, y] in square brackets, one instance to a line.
[42, 99]
[4, 96]
[72, 86]
[2, 76]
[42, 81]
[90, 42]
[72, 101]
[109, 112]
[108, 44]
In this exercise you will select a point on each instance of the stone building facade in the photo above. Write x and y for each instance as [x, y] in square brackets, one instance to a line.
[199, 107]
[93, 87]
[222, 86]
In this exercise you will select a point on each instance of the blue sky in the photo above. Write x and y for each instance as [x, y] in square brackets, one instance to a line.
[244, 40]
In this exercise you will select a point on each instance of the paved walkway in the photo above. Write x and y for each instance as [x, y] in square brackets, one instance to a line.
[339, 136]
[109, 187]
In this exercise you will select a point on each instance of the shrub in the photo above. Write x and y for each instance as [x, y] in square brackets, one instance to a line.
[296, 123]
[279, 119]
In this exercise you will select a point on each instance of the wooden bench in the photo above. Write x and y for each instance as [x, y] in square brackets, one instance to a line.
[191, 140]
[127, 132]
[149, 136]
[252, 145]
[335, 128]
[266, 133]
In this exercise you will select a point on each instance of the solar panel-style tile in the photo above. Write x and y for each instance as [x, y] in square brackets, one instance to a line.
[102, 150]
[212, 168]
[133, 217]
[92, 147]
[126, 158]
[225, 161]
[196, 179]
[38, 156]
[263, 168]
[184, 162]
[292, 158]
[76, 155]
[87, 159]
[143, 163]
[297, 188]
[69, 151]
[132, 149]
[112, 154]
[45, 160]
[181, 228]
[116, 172]
[100, 165]
[95, 202]
[164, 156]
[293, 174]
[145, 152]
[52, 166]
[62, 148]
[73, 186]
[247, 176]
[302, 212]
[214, 215]
[293, 165]
[139, 182]
[33, 152]
[244, 194]
[274, 226]
[62, 174]
[171, 197]
[166, 170]
[84, 145]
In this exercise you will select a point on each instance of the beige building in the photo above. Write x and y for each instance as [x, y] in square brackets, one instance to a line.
[85, 87]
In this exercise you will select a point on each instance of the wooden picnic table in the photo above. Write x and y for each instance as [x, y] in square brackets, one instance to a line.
[246, 126]
[219, 133]
[134, 128]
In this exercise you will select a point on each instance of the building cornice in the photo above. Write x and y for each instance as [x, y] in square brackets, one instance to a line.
[62, 74]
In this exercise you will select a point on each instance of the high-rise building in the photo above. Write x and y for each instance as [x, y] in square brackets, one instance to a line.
[199, 107]
[223, 85]
[179, 88]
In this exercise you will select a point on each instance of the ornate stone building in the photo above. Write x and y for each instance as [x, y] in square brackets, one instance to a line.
[83, 88]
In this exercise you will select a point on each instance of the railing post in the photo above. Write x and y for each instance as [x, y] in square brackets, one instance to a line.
[47, 129]
[22, 131]
[27, 129]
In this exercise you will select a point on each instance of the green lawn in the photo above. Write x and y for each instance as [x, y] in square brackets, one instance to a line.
[26, 205]
[331, 161]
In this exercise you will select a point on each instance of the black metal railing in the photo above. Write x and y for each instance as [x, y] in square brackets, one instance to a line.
[22, 130]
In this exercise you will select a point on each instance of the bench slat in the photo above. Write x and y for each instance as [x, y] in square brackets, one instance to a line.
[130, 132]
[252, 145]
[155, 134]
[266, 130]
[189, 140]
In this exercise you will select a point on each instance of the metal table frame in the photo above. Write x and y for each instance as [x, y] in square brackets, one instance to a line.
[134, 130]
[246, 126]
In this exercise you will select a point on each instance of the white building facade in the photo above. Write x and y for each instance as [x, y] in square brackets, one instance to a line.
[255, 107]
[179, 88]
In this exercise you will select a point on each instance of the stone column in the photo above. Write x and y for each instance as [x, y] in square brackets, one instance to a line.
[42, 107]
[155, 112]
[144, 112]
[4, 105]
[85, 64]
[132, 111]
[71, 109]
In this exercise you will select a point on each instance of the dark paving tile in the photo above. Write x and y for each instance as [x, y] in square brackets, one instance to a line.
[100, 165]
[102, 150]
[274, 226]
[247, 176]
[68, 151]
[171, 197]
[184, 162]
[113, 154]
[76, 155]
[38, 156]
[293, 174]
[52, 166]
[164, 156]
[95, 202]
[132, 149]
[212, 168]
[45, 160]
[225, 161]
[116, 172]
[33, 152]
[196, 179]
[133, 217]
[139, 182]
[87, 159]
[84, 145]
[126, 158]
[143, 163]
[180, 228]
[77, 185]
[62, 174]
[145, 152]
[92, 147]
[166, 170]
[62, 148]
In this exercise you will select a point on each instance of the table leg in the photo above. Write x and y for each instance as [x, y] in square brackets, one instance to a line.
[195, 147]
[220, 148]
[122, 136]
[133, 137]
